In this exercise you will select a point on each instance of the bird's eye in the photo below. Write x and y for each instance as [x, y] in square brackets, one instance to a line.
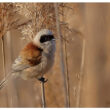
[45, 38]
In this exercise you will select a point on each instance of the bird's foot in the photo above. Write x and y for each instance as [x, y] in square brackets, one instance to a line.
[42, 79]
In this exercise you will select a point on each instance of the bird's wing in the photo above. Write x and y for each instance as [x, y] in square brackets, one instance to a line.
[30, 56]
[18, 65]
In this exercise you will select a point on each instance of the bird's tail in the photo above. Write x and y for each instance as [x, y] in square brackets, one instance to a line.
[4, 82]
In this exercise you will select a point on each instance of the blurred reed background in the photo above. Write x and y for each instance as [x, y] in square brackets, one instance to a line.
[80, 76]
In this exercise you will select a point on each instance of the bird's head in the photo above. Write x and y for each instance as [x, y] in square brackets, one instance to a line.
[44, 39]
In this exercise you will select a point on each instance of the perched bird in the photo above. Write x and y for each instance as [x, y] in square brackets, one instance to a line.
[35, 59]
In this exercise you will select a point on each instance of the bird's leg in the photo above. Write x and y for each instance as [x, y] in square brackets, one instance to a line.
[42, 79]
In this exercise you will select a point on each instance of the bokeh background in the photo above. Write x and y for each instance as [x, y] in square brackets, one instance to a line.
[80, 76]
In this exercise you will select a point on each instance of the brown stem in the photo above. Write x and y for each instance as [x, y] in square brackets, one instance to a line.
[43, 95]
[61, 56]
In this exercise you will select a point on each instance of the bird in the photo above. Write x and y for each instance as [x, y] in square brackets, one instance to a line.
[35, 59]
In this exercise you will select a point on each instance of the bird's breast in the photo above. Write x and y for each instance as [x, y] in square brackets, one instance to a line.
[50, 62]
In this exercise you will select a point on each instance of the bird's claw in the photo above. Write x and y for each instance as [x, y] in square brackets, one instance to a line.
[42, 79]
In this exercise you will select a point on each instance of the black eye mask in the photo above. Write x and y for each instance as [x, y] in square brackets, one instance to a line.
[45, 38]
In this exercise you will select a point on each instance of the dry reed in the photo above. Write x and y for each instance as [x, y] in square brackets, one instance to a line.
[81, 73]
[61, 56]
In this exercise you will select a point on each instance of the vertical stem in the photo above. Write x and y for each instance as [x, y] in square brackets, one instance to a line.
[11, 88]
[61, 55]
[81, 73]
[43, 95]
[66, 64]
[3, 54]
[67, 76]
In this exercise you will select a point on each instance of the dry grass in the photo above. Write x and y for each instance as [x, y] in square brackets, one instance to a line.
[40, 15]
[29, 18]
